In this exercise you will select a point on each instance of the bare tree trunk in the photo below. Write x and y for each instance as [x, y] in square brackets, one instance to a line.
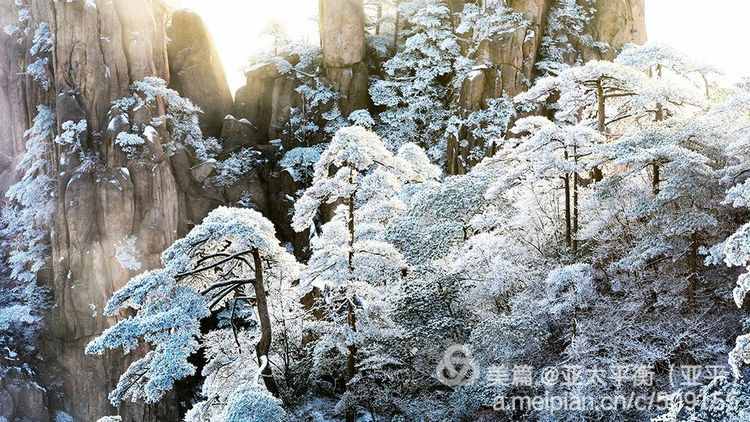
[566, 179]
[396, 26]
[693, 273]
[575, 202]
[351, 362]
[453, 154]
[351, 317]
[351, 226]
[575, 213]
[379, 18]
[601, 126]
[656, 178]
[264, 344]
[707, 86]
[601, 109]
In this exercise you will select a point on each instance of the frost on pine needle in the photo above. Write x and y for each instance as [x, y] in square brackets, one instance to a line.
[300, 161]
[171, 302]
[129, 143]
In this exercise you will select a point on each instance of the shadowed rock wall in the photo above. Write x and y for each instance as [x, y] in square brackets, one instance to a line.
[13, 111]
[196, 70]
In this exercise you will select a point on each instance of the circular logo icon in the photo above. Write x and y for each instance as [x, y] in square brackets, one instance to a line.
[456, 368]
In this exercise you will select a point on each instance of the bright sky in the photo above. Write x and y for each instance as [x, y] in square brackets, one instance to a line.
[715, 31]
[237, 25]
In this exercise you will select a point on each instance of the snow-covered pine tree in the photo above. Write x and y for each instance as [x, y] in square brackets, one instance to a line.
[660, 135]
[207, 273]
[670, 92]
[566, 36]
[415, 91]
[549, 155]
[728, 398]
[24, 229]
[351, 262]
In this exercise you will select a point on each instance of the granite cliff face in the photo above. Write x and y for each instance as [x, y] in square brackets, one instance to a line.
[23, 399]
[618, 22]
[196, 71]
[98, 52]
[510, 63]
[13, 112]
[342, 39]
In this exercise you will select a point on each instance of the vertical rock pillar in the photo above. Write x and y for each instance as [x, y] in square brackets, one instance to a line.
[509, 62]
[196, 70]
[342, 38]
[102, 200]
[13, 113]
[617, 22]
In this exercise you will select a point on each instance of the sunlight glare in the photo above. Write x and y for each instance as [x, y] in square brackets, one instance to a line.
[713, 32]
[237, 27]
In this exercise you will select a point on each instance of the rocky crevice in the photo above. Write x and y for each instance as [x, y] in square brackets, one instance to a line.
[13, 111]
[509, 64]
[99, 51]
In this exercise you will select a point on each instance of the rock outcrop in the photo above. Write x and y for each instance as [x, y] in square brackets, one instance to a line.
[265, 100]
[22, 399]
[13, 112]
[508, 65]
[342, 38]
[617, 22]
[99, 50]
[262, 107]
[196, 70]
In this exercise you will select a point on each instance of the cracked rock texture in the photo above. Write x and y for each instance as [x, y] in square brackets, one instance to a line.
[342, 38]
[22, 399]
[99, 52]
[510, 62]
[13, 111]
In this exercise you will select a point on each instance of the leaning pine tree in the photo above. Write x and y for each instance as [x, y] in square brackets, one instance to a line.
[206, 274]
